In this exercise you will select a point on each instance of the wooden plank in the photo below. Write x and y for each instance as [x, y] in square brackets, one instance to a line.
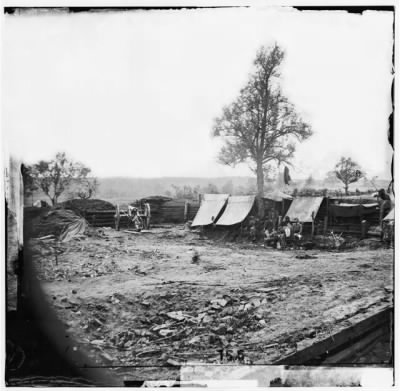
[344, 354]
[342, 338]
[100, 211]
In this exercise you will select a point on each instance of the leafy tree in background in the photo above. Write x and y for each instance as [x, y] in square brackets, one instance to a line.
[196, 192]
[211, 189]
[186, 192]
[54, 176]
[348, 171]
[309, 181]
[87, 188]
[178, 192]
[261, 125]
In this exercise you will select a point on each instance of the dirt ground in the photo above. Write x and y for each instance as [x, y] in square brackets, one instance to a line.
[137, 299]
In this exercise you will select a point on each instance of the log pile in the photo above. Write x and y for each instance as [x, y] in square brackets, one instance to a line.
[100, 218]
[169, 211]
[80, 206]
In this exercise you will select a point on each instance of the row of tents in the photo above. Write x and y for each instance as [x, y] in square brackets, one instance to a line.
[226, 210]
[222, 209]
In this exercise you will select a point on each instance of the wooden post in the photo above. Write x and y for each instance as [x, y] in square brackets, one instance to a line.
[327, 211]
[364, 229]
[117, 218]
[186, 212]
[312, 224]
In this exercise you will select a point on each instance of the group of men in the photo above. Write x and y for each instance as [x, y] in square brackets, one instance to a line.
[287, 233]
[276, 235]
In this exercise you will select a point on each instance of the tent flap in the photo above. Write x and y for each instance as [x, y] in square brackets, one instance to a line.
[237, 209]
[303, 208]
[210, 208]
[390, 215]
[277, 195]
[352, 210]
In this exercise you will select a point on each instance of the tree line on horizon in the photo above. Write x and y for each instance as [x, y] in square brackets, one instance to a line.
[62, 178]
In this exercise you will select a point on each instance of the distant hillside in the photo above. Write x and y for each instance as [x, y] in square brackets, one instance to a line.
[124, 189]
[134, 188]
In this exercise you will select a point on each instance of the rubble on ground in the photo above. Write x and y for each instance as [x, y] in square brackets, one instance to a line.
[139, 299]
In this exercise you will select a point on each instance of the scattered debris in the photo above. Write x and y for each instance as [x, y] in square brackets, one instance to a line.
[217, 303]
[47, 237]
[134, 314]
[173, 363]
[304, 255]
[195, 257]
[178, 315]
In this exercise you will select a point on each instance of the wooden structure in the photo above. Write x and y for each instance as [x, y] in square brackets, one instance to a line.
[353, 215]
[168, 212]
[349, 345]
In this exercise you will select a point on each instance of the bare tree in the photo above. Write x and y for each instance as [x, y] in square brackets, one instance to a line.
[347, 171]
[54, 176]
[261, 125]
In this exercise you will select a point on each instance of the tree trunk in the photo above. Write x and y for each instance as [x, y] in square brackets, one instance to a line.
[260, 189]
[346, 189]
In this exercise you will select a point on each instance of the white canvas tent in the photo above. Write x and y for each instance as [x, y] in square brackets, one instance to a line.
[236, 210]
[210, 209]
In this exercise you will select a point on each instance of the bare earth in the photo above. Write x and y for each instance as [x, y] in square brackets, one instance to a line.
[137, 299]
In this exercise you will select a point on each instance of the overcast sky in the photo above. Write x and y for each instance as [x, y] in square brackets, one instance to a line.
[135, 93]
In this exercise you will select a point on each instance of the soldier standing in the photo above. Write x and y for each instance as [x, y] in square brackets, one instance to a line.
[147, 215]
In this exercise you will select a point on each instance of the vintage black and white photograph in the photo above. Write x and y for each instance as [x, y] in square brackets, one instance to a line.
[199, 197]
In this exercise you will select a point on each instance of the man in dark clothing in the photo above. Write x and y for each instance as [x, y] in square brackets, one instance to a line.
[270, 236]
[297, 232]
[385, 204]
